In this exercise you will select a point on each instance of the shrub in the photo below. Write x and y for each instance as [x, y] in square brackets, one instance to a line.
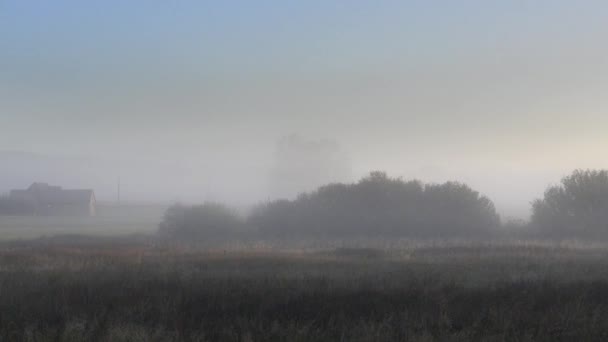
[378, 205]
[199, 222]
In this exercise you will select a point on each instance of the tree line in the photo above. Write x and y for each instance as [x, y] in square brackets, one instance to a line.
[379, 205]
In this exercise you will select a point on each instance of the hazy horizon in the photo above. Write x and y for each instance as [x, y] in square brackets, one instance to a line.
[191, 100]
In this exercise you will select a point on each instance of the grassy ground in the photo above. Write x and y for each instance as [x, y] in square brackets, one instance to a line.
[111, 220]
[119, 289]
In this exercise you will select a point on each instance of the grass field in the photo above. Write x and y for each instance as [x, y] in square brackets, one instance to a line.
[126, 289]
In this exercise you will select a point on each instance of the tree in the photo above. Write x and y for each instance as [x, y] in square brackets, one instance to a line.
[455, 207]
[199, 222]
[576, 207]
[379, 205]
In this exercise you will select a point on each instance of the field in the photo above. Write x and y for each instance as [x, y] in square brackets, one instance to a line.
[136, 289]
[112, 220]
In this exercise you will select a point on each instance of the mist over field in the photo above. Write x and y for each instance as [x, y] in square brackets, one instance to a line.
[189, 101]
[312, 170]
[291, 165]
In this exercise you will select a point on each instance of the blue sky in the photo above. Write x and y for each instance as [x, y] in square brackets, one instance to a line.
[282, 36]
[472, 90]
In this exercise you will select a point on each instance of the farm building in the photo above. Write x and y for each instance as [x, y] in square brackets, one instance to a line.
[55, 201]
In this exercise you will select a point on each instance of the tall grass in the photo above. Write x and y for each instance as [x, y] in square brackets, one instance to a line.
[134, 291]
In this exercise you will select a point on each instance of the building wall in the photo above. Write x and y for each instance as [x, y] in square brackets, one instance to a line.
[92, 207]
[65, 210]
[53, 201]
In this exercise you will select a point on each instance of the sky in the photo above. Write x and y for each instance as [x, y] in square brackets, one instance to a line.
[190, 100]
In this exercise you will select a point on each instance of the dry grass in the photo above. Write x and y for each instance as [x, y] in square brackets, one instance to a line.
[118, 289]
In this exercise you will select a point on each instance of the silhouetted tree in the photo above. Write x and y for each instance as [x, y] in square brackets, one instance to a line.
[576, 207]
[455, 207]
[380, 205]
[199, 222]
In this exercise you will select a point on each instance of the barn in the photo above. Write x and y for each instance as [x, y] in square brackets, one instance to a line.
[55, 201]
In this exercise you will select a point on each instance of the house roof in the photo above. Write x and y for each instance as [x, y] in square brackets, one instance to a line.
[42, 187]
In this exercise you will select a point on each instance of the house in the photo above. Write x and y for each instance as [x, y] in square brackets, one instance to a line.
[55, 201]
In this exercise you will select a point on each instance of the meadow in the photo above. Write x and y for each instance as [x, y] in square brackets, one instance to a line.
[135, 288]
[111, 220]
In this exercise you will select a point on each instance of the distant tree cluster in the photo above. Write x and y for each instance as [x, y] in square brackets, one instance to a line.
[11, 206]
[210, 220]
[576, 207]
[378, 205]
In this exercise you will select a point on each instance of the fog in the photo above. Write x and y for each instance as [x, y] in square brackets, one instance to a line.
[207, 102]
[303, 170]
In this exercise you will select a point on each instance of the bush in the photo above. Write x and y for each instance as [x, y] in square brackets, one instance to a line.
[378, 205]
[576, 207]
[199, 222]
